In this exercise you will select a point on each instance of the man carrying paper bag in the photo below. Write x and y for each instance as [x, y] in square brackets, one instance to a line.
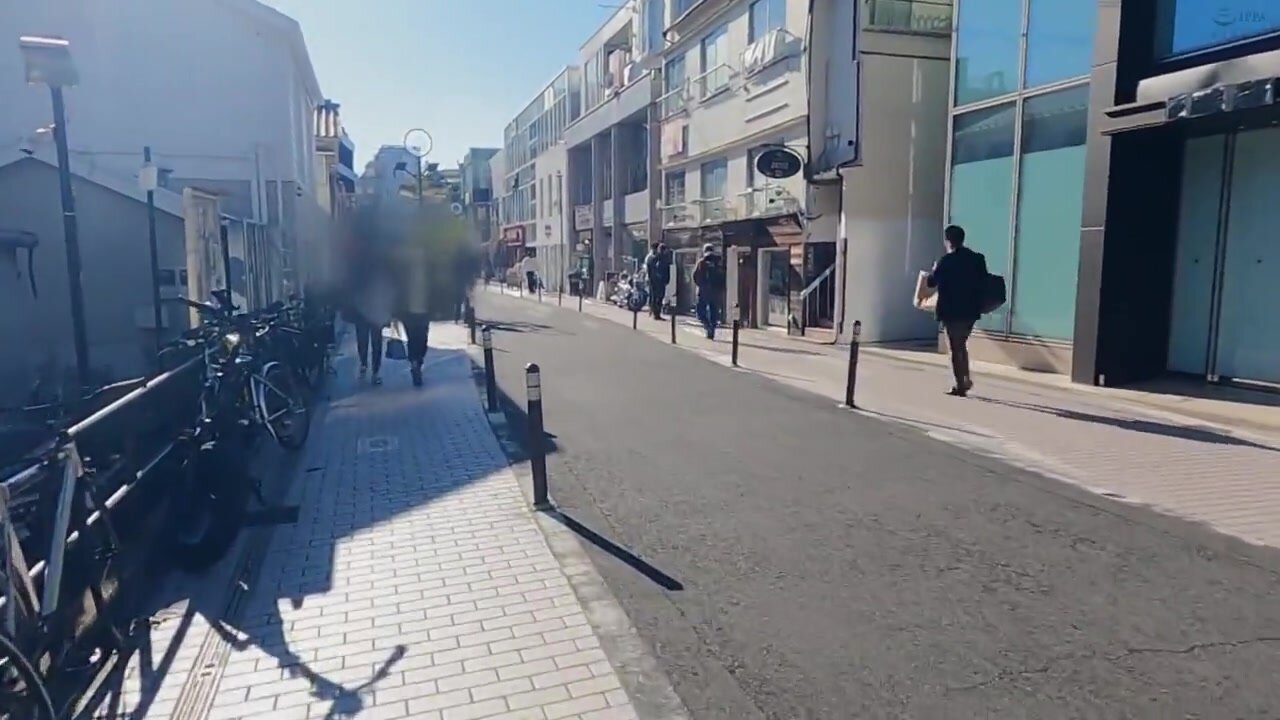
[956, 291]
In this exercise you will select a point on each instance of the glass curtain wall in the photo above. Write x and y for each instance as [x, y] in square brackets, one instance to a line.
[1019, 116]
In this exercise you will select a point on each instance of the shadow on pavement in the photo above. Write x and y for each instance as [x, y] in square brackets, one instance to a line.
[631, 560]
[1151, 427]
[343, 493]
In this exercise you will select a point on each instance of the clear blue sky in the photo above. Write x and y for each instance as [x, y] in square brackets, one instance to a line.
[461, 69]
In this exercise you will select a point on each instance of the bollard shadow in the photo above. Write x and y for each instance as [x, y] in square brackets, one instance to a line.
[521, 327]
[628, 558]
[515, 436]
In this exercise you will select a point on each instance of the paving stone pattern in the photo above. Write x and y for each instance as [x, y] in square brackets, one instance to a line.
[416, 583]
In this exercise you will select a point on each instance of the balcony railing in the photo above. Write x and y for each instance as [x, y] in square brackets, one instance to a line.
[674, 101]
[679, 215]
[713, 81]
[930, 17]
[768, 201]
[768, 49]
[714, 210]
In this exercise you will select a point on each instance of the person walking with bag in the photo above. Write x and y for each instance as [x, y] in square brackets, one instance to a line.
[708, 277]
[960, 278]
[373, 308]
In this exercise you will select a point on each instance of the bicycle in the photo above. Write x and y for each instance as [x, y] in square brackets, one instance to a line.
[269, 390]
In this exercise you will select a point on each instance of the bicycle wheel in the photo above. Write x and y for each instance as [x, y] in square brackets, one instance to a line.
[209, 507]
[23, 695]
[285, 407]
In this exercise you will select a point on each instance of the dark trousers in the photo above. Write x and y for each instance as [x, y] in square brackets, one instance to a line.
[958, 332]
[657, 291]
[416, 330]
[708, 312]
[532, 278]
[369, 338]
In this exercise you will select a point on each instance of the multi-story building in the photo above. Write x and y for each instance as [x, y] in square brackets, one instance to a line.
[531, 190]
[878, 76]
[612, 178]
[335, 158]
[476, 193]
[733, 87]
[389, 173]
[1178, 155]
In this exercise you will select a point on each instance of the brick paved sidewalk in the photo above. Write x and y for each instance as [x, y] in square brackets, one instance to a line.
[1142, 455]
[416, 583]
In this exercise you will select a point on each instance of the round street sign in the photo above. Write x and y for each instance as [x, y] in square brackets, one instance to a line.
[778, 163]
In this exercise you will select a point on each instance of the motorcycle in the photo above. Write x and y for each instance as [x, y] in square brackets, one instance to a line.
[632, 292]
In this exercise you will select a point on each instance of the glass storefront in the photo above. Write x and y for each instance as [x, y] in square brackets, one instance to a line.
[1017, 164]
[1222, 325]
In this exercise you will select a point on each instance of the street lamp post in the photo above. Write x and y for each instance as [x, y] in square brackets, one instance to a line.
[419, 143]
[48, 62]
[149, 180]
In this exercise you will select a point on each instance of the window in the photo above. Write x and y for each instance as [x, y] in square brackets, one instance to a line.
[715, 55]
[715, 179]
[674, 187]
[673, 74]
[982, 188]
[988, 48]
[1050, 197]
[765, 16]
[1059, 40]
[1185, 26]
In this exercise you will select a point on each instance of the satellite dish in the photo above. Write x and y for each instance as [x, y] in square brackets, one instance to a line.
[456, 208]
[418, 142]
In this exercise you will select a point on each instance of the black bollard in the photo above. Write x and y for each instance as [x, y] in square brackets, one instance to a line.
[736, 325]
[537, 436]
[490, 384]
[579, 298]
[560, 295]
[539, 290]
[471, 323]
[673, 326]
[852, 380]
[635, 319]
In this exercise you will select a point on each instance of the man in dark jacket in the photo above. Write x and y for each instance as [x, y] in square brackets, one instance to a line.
[708, 277]
[658, 269]
[960, 278]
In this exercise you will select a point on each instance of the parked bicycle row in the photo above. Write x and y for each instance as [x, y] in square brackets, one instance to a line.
[186, 437]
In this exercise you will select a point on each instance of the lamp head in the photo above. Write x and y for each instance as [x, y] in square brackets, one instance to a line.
[47, 61]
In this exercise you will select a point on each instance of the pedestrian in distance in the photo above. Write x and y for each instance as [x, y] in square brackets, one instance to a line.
[959, 277]
[373, 308]
[415, 305]
[658, 270]
[529, 268]
[708, 278]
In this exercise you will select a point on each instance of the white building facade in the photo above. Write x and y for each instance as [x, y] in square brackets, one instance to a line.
[734, 86]
[530, 190]
[244, 131]
[878, 145]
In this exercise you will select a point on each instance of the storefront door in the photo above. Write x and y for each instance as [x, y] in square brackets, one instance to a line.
[1248, 346]
[775, 264]
[1223, 325]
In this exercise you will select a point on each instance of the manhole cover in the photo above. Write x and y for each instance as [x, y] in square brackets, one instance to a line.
[377, 443]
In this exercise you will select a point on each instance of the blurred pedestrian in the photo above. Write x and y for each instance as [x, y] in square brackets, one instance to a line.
[657, 267]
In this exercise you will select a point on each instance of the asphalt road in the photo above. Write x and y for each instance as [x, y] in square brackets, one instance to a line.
[836, 566]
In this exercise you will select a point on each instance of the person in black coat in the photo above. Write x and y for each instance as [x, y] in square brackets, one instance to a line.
[959, 277]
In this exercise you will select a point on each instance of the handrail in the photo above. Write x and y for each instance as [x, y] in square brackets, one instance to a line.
[704, 91]
[817, 281]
